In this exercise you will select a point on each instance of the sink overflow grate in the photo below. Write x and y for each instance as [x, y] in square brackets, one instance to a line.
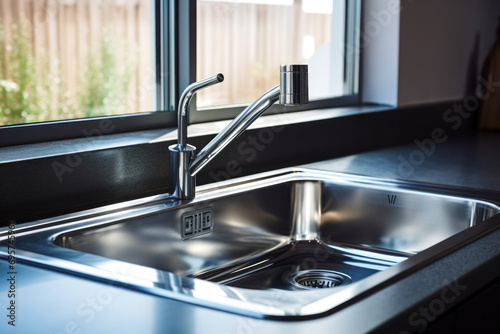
[197, 222]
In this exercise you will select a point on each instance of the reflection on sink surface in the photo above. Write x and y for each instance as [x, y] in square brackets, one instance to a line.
[303, 265]
[297, 232]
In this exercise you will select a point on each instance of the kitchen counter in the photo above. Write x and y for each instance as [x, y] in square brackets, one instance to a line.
[471, 161]
[56, 302]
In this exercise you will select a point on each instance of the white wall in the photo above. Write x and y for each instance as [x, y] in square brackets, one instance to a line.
[443, 44]
[430, 51]
[380, 56]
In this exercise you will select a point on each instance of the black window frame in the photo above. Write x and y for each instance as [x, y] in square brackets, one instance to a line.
[174, 36]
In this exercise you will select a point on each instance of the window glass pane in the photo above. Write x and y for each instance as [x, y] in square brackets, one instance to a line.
[69, 59]
[247, 40]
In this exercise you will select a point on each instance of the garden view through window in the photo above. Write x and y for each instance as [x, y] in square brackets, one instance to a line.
[68, 59]
[247, 41]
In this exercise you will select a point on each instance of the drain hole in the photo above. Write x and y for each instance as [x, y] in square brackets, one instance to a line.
[314, 282]
[319, 279]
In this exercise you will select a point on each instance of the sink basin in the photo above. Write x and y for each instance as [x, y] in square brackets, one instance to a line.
[286, 243]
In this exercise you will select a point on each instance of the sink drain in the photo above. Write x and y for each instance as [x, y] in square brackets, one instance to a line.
[319, 279]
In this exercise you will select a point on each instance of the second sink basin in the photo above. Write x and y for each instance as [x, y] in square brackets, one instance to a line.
[294, 231]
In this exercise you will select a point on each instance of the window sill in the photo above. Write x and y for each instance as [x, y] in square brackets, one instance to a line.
[97, 142]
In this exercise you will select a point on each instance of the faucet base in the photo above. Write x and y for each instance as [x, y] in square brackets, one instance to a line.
[182, 180]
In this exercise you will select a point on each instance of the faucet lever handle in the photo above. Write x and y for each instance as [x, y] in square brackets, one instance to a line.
[181, 154]
[185, 102]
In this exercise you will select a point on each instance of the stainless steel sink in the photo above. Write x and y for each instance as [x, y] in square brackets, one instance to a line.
[287, 243]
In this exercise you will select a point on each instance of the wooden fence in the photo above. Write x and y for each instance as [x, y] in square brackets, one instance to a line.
[67, 32]
[246, 42]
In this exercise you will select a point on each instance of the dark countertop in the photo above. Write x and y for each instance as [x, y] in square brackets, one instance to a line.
[55, 302]
[471, 161]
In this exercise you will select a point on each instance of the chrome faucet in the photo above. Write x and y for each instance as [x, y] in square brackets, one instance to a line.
[292, 90]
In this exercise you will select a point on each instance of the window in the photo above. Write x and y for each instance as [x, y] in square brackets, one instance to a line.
[129, 60]
[247, 40]
[66, 59]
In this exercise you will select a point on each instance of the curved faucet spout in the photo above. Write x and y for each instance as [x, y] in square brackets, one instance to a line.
[292, 90]
[234, 129]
